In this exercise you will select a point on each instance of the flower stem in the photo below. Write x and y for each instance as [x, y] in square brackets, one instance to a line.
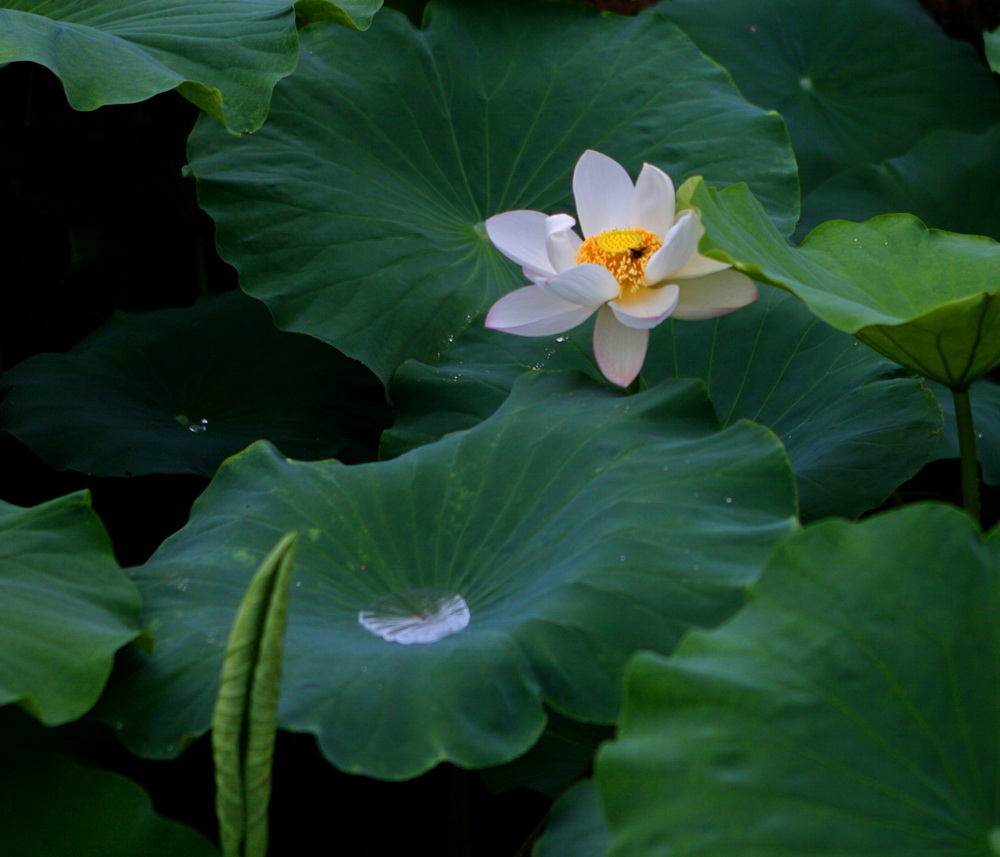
[967, 452]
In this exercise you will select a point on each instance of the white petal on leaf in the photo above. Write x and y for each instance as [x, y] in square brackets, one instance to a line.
[714, 295]
[619, 350]
[603, 192]
[520, 236]
[653, 201]
[585, 285]
[561, 242]
[681, 241]
[647, 308]
[533, 312]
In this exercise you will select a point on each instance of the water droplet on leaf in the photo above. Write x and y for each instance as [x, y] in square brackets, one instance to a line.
[417, 616]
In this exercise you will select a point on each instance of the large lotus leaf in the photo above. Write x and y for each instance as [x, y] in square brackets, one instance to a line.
[850, 709]
[224, 55]
[949, 180]
[443, 597]
[857, 81]
[65, 607]
[52, 806]
[357, 213]
[925, 298]
[984, 397]
[839, 408]
[177, 391]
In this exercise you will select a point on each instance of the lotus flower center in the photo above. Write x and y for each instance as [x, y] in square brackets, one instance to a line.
[624, 252]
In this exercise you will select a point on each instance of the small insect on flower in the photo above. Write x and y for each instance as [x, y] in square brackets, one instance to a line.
[636, 265]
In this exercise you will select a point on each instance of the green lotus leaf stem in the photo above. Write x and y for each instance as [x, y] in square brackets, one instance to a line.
[245, 718]
[967, 452]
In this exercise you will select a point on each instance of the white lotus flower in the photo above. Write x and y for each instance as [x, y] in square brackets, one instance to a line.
[637, 265]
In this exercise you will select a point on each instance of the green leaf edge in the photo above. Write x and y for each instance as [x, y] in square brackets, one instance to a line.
[812, 267]
[208, 98]
[143, 637]
[313, 11]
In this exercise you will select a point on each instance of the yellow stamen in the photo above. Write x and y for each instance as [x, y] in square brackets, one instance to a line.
[624, 252]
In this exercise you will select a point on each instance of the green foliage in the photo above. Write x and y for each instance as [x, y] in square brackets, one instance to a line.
[65, 608]
[356, 14]
[477, 596]
[223, 55]
[431, 132]
[577, 525]
[52, 805]
[928, 299]
[576, 826]
[925, 298]
[177, 391]
[991, 44]
[857, 81]
[851, 707]
[948, 179]
[837, 406]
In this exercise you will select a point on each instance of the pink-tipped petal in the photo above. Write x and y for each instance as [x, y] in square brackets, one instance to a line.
[653, 201]
[714, 295]
[585, 285]
[619, 350]
[647, 308]
[520, 236]
[681, 241]
[532, 312]
[603, 193]
[561, 242]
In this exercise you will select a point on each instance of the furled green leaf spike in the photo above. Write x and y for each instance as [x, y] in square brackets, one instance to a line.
[245, 718]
